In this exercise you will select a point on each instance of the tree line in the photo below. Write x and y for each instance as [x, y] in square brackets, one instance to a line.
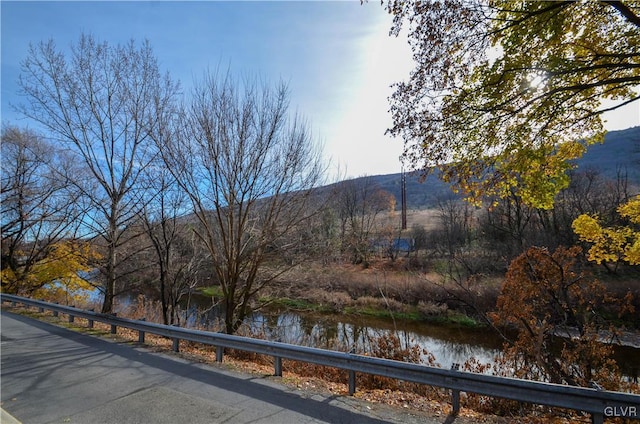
[138, 156]
[128, 183]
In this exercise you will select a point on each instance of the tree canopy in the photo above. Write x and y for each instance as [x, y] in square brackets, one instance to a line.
[619, 243]
[59, 276]
[505, 94]
[38, 209]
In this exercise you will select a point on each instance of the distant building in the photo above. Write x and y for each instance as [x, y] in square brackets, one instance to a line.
[396, 246]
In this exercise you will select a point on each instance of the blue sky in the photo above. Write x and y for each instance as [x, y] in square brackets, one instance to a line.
[336, 56]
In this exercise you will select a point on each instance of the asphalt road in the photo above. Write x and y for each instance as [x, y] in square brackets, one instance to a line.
[49, 374]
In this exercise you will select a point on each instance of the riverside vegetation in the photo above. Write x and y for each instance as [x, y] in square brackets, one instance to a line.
[419, 399]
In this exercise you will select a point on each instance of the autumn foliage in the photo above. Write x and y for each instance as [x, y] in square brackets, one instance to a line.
[57, 276]
[612, 243]
[502, 90]
[556, 310]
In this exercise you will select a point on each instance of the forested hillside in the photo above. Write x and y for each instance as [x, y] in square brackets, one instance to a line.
[620, 152]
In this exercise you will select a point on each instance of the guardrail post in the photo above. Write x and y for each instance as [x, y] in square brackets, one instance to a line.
[71, 317]
[55, 313]
[141, 333]
[219, 353]
[352, 376]
[41, 309]
[176, 342]
[597, 418]
[277, 363]
[455, 394]
[352, 382]
[455, 402]
[114, 328]
[90, 321]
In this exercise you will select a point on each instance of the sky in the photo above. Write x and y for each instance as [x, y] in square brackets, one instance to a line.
[336, 56]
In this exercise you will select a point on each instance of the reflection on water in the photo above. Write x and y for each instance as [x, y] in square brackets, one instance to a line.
[343, 332]
[448, 344]
[346, 333]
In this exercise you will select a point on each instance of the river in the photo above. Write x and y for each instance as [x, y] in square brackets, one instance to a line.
[449, 344]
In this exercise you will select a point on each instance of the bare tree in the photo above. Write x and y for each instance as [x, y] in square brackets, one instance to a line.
[456, 220]
[38, 209]
[175, 257]
[360, 204]
[101, 102]
[249, 169]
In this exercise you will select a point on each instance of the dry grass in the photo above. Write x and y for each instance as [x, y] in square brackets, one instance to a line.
[380, 279]
[428, 218]
[386, 286]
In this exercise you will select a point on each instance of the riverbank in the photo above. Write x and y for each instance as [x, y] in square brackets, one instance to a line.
[377, 308]
[393, 290]
[352, 305]
[382, 290]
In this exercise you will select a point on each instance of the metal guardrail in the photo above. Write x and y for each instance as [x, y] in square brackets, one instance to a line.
[598, 403]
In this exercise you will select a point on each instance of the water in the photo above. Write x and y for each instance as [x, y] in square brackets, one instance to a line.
[448, 344]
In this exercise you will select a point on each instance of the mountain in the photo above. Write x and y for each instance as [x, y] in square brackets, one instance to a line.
[620, 152]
